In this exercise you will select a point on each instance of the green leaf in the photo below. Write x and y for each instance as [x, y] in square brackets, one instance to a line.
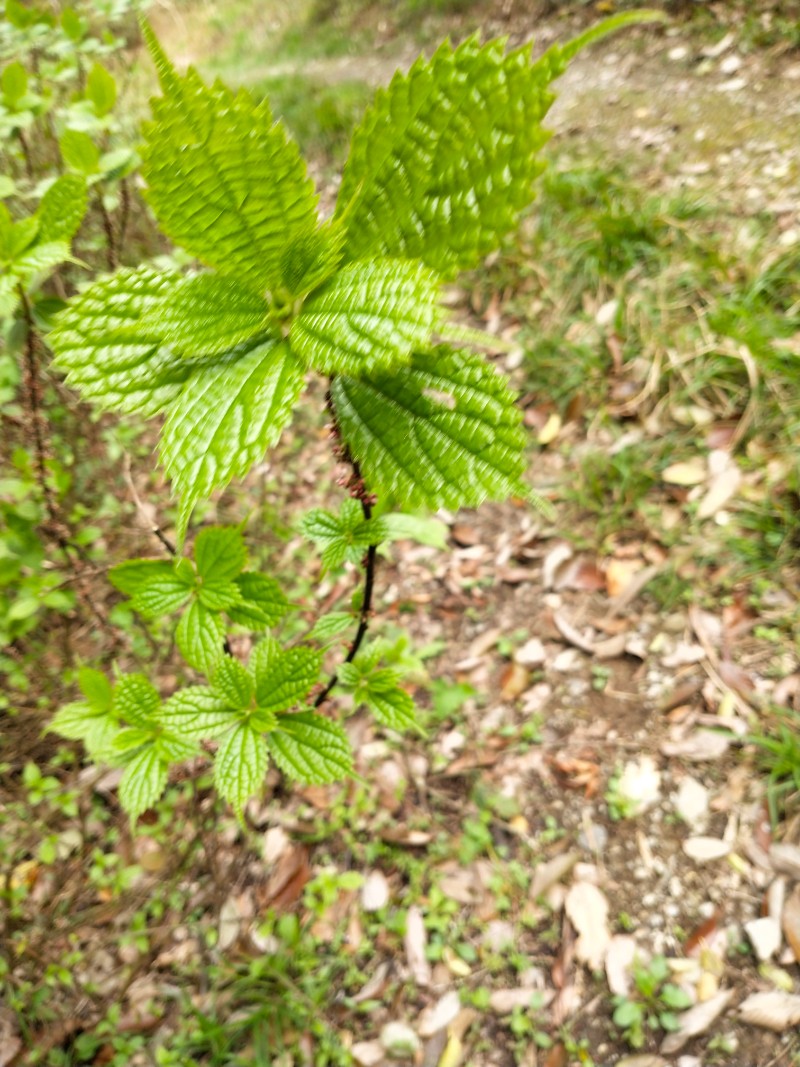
[443, 432]
[108, 356]
[196, 713]
[283, 676]
[101, 89]
[225, 182]
[174, 749]
[233, 683]
[310, 258]
[628, 1013]
[343, 537]
[143, 782]
[225, 418]
[62, 209]
[41, 260]
[420, 528]
[136, 700]
[372, 314]
[72, 24]
[96, 688]
[79, 151]
[79, 721]
[134, 574]
[220, 553]
[14, 84]
[200, 635]
[331, 625]
[388, 702]
[219, 596]
[207, 315]
[15, 237]
[445, 160]
[672, 996]
[311, 748]
[240, 765]
[262, 602]
[162, 595]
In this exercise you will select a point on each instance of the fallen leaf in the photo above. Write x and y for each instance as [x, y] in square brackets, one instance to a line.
[773, 1011]
[698, 746]
[415, 945]
[639, 785]
[285, 885]
[504, 1001]
[644, 1060]
[699, 938]
[764, 935]
[790, 921]
[438, 1016]
[571, 634]
[785, 858]
[375, 891]
[692, 472]
[553, 562]
[696, 1021]
[367, 1053]
[587, 910]
[547, 874]
[374, 985]
[723, 488]
[531, 654]
[706, 849]
[513, 681]
[551, 429]
[620, 574]
[622, 951]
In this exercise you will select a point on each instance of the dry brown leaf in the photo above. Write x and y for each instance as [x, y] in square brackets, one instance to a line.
[696, 1021]
[439, 1015]
[622, 951]
[706, 849]
[571, 634]
[724, 486]
[773, 1011]
[547, 874]
[415, 943]
[692, 472]
[790, 921]
[698, 746]
[619, 575]
[579, 773]
[513, 681]
[785, 859]
[587, 909]
[553, 563]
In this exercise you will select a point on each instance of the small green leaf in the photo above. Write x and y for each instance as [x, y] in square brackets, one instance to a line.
[443, 432]
[225, 418]
[672, 996]
[283, 676]
[240, 765]
[14, 84]
[220, 553]
[311, 748]
[79, 721]
[200, 635]
[262, 602]
[72, 24]
[96, 688]
[310, 258]
[207, 315]
[136, 700]
[371, 315]
[343, 537]
[329, 626]
[41, 260]
[422, 529]
[628, 1013]
[162, 595]
[196, 713]
[142, 783]
[79, 151]
[101, 89]
[62, 209]
[389, 703]
[174, 749]
[233, 683]
[134, 574]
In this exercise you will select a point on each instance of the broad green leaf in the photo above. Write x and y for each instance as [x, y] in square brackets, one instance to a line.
[329, 626]
[389, 702]
[62, 209]
[9, 295]
[233, 683]
[200, 635]
[219, 596]
[220, 553]
[196, 713]
[101, 89]
[443, 432]
[79, 151]
[240, 765]
[446, 158]
[420, 528]
[311, 748]
[174, 749]
[14, 82]
[372, 314]
[131, 739]
[262, 602]
[224, 180]
[225, 418]
[283, 676]
[134, 574]
[109, 358]
[96, 688]
[162, 595]
[207, 315]
[80, 721]
[72, 24]
[136, 700]
[142, 782]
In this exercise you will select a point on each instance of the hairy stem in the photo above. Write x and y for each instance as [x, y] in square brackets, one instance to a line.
[108, 229]
[358, 489]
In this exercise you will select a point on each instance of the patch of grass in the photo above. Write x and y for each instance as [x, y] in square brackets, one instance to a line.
[778, 745]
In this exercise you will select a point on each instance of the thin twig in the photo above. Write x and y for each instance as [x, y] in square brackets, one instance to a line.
[153, 527]
[124, 213]
[358, 489]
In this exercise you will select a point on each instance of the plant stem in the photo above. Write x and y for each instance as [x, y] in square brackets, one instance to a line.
[108, 228]
[358, 489]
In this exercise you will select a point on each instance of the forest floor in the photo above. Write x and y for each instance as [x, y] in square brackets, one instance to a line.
[587, 825]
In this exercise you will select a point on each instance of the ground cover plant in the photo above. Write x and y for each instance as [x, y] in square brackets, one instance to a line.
[587, 827]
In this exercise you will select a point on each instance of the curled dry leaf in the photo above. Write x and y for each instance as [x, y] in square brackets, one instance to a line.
[415, 944]
[696, 1021]
[587, 909]
[622, 951]
[439, 1015]
[785, 859]
[773, 1011]
[791, 921]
